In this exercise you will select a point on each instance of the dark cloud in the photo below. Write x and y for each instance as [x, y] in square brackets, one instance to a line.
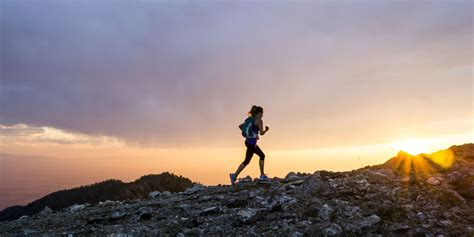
[180, 73]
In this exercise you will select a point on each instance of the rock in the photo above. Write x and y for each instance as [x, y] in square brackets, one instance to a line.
[290, 177]
[193, 231]
[206, 198]
[377, 177]
[296, 234]
[407, 207]
[362, 184]
[145, 209]
[370, 221]
[333, 183]
[365, 223]
[454, 177]
[292, 184]
[290, 174]
[254, 193]
[246, 179]
[405, 180]
[145, 213]
[193, 189]
[332, 229]
[76, 207]
[350, 211]
[236, 202]
[453, 197]
[446, 223]
[285, 200]
[313, 186]
[46, 211]
[313, 207]
[434, 181]
[106, 203]
[210, 210]
[146, 216]
[29, 232]
[465, 187]
[275, 207]
[154, 194]
[326, 212]
[166, 193]
[116, 215]
[398, 227]
[419, 232]
[248, 215]
[185, 206]
[421, 217]
[317, 174]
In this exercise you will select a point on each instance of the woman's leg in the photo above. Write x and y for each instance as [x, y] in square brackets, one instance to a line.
[237, 172]
[261, 162]
[248, 156]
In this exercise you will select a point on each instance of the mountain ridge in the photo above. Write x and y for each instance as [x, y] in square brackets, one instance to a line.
[111, 189]
[403, 196]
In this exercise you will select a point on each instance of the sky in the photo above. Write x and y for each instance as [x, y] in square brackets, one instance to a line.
[162, 85]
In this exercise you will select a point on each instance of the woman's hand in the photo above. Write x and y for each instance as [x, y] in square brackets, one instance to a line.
[266, 128]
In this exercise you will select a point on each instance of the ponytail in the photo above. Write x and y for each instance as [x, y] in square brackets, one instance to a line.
[255, 110]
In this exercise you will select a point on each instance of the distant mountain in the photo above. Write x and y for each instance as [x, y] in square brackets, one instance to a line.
[114, 190]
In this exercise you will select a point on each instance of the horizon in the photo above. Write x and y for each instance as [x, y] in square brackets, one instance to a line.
[93, 176]
[91, 90]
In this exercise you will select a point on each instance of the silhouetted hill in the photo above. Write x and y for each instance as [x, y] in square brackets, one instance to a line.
[114, 190]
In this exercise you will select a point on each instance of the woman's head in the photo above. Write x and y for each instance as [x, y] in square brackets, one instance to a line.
[256, 111]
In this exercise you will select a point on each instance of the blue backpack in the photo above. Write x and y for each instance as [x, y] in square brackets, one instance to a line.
[246, 128]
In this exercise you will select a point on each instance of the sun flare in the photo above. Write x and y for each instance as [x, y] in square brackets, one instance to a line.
[413, 146]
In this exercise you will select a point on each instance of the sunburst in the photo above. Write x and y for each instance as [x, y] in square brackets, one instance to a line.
[413, 146]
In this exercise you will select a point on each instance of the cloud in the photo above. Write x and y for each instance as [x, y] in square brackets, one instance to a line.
[180, 74]
[28, 135]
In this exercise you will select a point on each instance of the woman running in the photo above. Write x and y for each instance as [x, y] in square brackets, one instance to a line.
[256, 112]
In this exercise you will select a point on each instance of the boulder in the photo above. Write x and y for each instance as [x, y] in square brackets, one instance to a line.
[364, 224]
[326, 212]
[76, 207]
[248, 215]
[236, 202]
[154, 194]
[193, 189]
[434, 181]
[332, 229]
[290, 177]
[210, 210]
[46, 211]
[245, 179]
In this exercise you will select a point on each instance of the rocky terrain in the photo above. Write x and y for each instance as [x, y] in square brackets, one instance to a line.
[424, 195]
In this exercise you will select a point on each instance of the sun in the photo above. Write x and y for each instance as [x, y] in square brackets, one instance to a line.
[412, 146]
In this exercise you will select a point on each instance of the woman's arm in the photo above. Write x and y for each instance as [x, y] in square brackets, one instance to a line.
[259, 123]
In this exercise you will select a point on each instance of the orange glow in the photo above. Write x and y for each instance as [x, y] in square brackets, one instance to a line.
[443, 158]
[422, 165]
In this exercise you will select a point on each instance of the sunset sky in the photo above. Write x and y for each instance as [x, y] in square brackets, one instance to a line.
[120, 89]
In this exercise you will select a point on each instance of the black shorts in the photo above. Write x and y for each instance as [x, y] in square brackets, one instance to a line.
[251, 149]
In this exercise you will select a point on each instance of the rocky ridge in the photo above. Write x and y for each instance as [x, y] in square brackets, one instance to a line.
[381, 200]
